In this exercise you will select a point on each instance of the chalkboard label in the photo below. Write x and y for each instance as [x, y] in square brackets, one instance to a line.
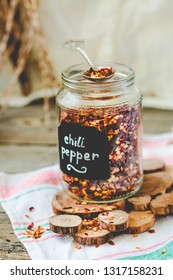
[83, 151]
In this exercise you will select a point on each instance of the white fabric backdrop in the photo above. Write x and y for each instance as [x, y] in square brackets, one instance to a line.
[134, 32]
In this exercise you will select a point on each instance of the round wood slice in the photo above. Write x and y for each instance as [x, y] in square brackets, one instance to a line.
[116, 220]
[140, 221]
[162, 204]
[140, 203]
[155, 184]
[90, 237]
[63, 203]
[153, 165]
[65, 224]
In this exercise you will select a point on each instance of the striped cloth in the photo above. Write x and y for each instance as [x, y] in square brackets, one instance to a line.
[20, 192]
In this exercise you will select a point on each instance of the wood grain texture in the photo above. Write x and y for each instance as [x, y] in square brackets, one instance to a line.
[26, 126]
[24, 158]
[26, 144]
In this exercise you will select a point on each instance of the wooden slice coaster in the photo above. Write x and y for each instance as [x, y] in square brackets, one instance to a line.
[63, 203]
[65, 224]
[140, 203]
[90, 237]
[116, 220]
[162, 204]
[155, 184]
[153, 165]
[140, 221]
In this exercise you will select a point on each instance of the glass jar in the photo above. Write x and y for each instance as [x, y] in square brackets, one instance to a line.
[100, 134]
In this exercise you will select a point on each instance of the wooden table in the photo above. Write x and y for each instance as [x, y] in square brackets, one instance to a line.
[26, 144]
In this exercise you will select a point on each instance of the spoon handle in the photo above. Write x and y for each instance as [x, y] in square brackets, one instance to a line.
[86, 57]
[78, 46]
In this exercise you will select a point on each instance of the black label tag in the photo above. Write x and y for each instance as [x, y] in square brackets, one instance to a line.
[84, 152]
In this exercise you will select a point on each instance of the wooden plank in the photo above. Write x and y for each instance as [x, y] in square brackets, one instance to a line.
[157, 121]
[26, 126]
[10, 247]
[26, 158]
[13, 251]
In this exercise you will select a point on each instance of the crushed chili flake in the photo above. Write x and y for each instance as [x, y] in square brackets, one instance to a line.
[97, 245]
[135, 235]
[123, 125]
[111, 242]
[8, 240]
[77, 247]
[31, 209]
[91, 224]
[27, 216]
[138, 247]
[34, 232]
[84, 203]
[151, 231]
[30, 226]
[102, 72]
[66, 208]
[163, 251]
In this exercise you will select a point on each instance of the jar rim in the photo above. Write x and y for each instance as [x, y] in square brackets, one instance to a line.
[72, 76]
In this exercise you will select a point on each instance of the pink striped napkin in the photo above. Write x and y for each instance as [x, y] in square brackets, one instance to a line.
[21, 193]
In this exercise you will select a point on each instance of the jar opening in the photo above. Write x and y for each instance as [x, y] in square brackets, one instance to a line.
[72, 77]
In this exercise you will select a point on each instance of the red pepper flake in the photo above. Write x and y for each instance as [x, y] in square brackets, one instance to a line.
[102, 72]
[30, 226]
[111, 242]
[97, 245]
[151, 231]
[31, 209]
[77, 247]
[78, 202]
[8, 240]
[27, 216]
[35, 232]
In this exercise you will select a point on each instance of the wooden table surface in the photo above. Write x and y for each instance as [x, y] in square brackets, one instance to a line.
[26, 144]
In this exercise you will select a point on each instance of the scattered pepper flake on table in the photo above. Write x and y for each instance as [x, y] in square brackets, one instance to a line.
[27, 216]
[163, 252]
[151, 231]
[110, 242]
[77, 247]
[7, 239]
[30, 226]
[34, 231]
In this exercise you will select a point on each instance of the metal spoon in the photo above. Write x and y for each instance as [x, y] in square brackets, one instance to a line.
[78, 46]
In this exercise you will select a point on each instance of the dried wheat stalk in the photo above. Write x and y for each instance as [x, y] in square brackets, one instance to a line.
[22, 41]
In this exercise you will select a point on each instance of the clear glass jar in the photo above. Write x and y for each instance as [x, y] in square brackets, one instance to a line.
[100, 135]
